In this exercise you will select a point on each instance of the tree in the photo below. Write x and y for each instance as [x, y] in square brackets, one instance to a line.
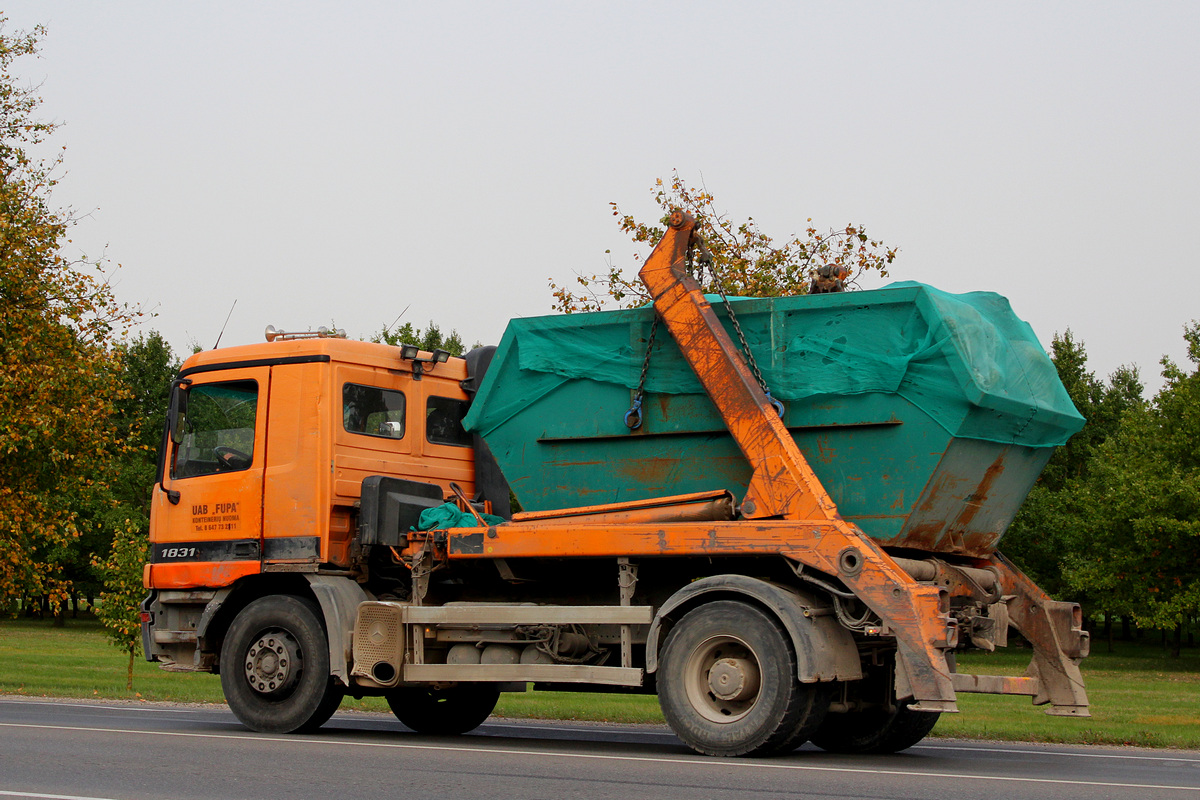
[1102, 405]
[746, 261]
[1143, 499]
[1049, 529]
[123, 522]
[120, 602]
[58, 375]
[429, 340]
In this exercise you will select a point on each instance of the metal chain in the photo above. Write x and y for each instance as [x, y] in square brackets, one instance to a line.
[633, 417]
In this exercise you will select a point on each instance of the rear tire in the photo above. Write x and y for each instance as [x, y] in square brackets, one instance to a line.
[874, 731]
[275, 666]
[444, 712]
[727, 683]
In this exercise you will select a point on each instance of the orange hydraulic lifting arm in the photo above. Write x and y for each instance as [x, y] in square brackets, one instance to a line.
[784, 485]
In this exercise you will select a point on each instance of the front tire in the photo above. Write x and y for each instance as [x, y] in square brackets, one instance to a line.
[727, 683]
[444, 712]
[275, 666]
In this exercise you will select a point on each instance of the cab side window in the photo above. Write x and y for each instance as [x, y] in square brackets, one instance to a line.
[443, 422]
[218, 429]
[371, 411]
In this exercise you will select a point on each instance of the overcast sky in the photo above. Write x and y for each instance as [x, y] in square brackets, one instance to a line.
[346, 161]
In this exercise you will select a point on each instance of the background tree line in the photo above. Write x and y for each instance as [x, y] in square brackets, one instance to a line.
[1114, 520]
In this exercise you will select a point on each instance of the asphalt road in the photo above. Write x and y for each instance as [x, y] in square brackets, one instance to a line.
[62, 749]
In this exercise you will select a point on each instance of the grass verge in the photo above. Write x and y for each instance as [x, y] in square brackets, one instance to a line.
[1138, 695]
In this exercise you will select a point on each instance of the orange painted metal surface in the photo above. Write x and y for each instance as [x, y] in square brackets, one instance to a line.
[211, 574]
[222, 506]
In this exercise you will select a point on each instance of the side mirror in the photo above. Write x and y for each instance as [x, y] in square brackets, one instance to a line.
[177, 410]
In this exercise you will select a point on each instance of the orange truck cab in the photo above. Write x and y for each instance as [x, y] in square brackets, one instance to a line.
[275, 442]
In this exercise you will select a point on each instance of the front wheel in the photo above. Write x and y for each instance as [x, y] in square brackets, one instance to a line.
[275, 667]
[727, 683]
[444, 712]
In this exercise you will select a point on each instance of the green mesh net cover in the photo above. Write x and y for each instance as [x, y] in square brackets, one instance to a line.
[965, 360]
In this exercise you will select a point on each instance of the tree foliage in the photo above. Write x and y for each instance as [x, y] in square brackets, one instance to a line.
[58, 375]
[120, 602]
[1114, 521]
[429, 339]
[1054, 522]
[746, 261]
[148, 366]
[1143, 502]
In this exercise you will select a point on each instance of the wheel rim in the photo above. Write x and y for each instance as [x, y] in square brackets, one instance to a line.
[273, 663]
[722, 678]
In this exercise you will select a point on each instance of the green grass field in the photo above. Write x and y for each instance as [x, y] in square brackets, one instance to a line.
[1138, 695]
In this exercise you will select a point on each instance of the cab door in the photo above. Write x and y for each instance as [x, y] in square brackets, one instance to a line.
[206, 521]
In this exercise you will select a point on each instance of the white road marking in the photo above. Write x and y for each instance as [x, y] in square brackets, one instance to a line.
[929, 745]
[691, 762]
[49, 796]
[1070, 753]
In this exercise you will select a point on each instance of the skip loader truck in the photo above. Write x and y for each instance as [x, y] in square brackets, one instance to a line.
[779, 515]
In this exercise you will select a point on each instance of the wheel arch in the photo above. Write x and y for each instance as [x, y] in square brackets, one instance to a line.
[337, 597]
[825, 651]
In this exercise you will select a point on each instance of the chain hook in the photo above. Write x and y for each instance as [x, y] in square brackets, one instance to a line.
[778, 406]
[633, 417]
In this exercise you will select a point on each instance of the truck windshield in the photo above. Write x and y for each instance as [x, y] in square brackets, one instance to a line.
[218, 429]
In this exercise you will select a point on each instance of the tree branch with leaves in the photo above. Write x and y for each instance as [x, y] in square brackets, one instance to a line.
[747, 262]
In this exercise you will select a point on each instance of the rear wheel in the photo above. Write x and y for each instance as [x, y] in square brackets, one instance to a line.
[727, 683]
[444, 712]
[875, 730]
[275, 666]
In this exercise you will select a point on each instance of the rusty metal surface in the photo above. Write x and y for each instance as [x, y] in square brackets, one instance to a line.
[697, 507]
[971, 498]
[996, 684]
[1055, 629]
[912, 612]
